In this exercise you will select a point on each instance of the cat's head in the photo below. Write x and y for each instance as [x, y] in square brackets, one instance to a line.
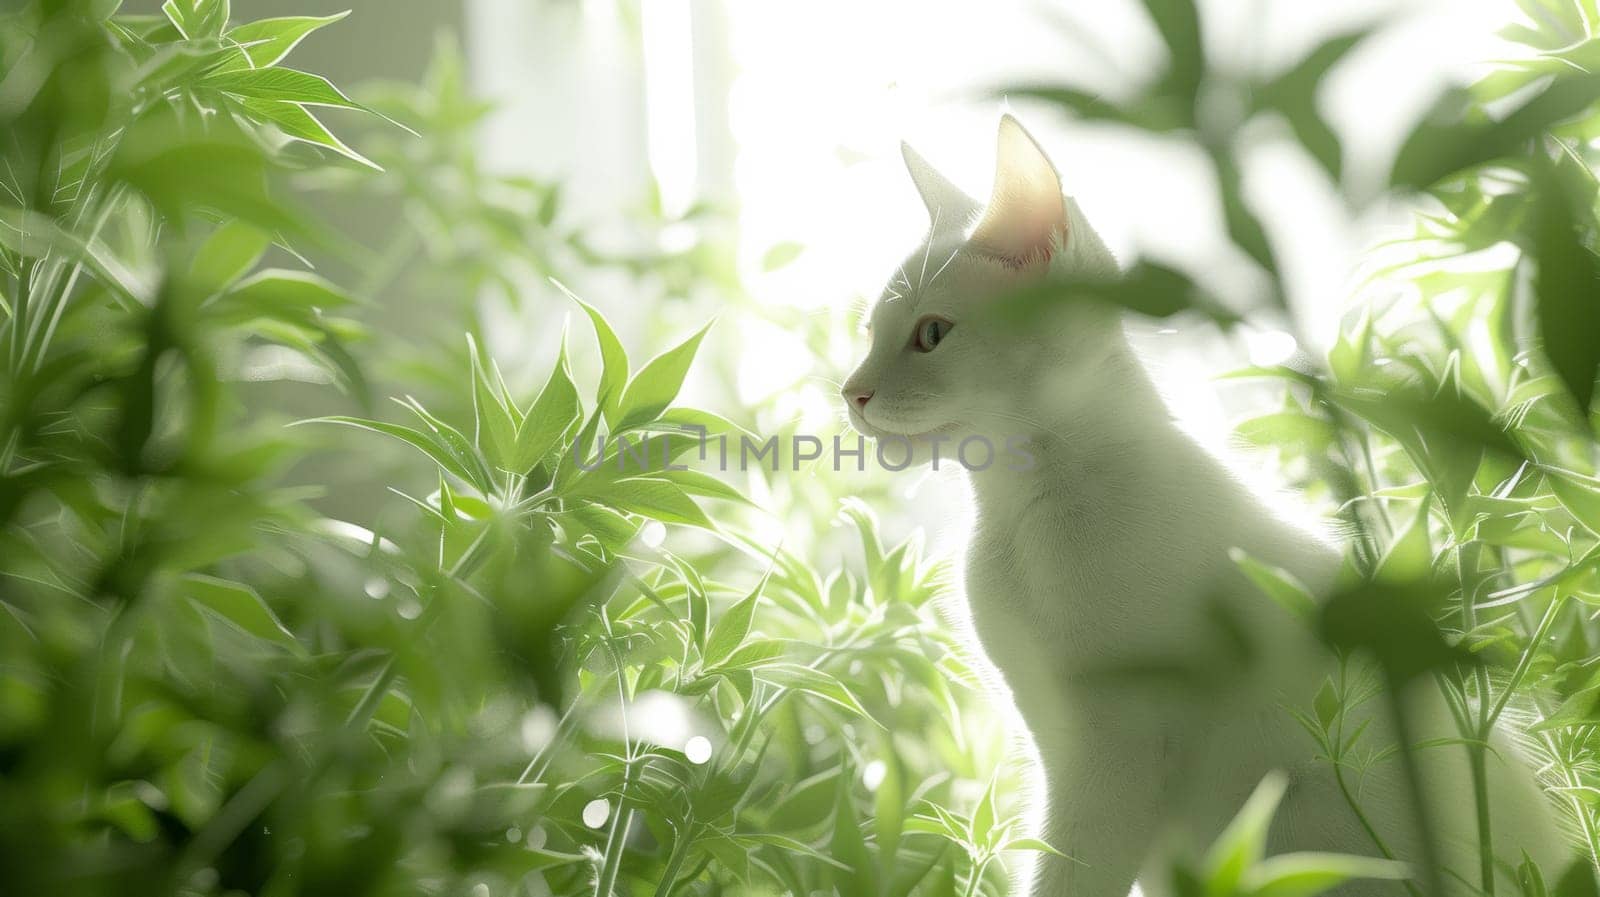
[939, 365]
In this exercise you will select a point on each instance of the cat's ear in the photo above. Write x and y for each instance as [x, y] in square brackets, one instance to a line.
[1027, 216]
[948, 207]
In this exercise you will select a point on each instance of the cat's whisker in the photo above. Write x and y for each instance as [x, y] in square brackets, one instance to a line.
[944, 266]
[927, 248]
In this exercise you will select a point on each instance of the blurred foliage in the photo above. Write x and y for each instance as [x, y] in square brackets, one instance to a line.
[520, 671]
[1451, 424]
[509, 676]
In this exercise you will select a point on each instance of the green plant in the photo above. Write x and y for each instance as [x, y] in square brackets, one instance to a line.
[215, 681]
[1236, 863]
[430, 646]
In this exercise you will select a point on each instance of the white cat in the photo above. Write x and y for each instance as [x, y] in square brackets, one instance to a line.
[1151, 674]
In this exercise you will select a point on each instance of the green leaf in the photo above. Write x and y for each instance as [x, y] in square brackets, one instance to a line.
[754, 653]
[789, 845]
[239, 605]
[1242, 844]
[462, 449]
[297, 123]
[1410, 556]
[278, 288]
[703, 485]
[815, 682]
[849, 846]
[1326, 704]
[1178, 22]
[1444, 431]
[265, 42]
[1287, 429]
[984, 815]
[121, 806]
[1280, 585]
[549, 419]
[447, 503]
[227, 255]
[1394, 622]
[888, 807]
[1153, 114]
[1033, 844]
[781, 254]
[658, 382]
[807, 802]
[1308, 874]
[732, 627]
[1147, 288]
[1446, 143]
[197, 18]
[496, 422]
[1352, 351]
[700, 423]
[1243, 225]
[1530, 878]
[1579, 494]
[614, 373]
[1565, 281]
[288, 85]
[611, 529]
[426, 443]
[645, 495]
[34, 235]
[1293, 95]
[218, 171]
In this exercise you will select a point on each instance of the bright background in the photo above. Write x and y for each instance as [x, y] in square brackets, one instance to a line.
[792, 114]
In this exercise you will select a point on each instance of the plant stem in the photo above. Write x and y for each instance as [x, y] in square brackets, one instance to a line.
[605, 884]
[1523, 662]
[1478, 756]
[1477, 743]
[680, 852]
[541, 759]
[978, 869]
[1336, 754]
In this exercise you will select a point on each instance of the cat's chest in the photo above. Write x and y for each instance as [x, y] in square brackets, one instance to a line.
[1085, 581]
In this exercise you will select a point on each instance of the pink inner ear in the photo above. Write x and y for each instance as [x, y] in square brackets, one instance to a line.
[1022, 227]
[1026, 213]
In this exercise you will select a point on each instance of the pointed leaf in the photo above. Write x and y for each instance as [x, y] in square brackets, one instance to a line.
[1242, 844]
[1280, 585]
[658, 382]
[289, 85]
[731, 628]
[227, 255]
[614, 373]
[266, 41]
[297, 123]
[496, 422]
[1308, 874]
[552, 416]
[239, 605]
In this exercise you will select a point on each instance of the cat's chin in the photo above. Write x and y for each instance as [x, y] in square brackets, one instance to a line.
[871, 431]
[898, 449]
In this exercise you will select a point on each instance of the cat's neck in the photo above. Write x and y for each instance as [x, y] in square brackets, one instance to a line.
[1110, 433]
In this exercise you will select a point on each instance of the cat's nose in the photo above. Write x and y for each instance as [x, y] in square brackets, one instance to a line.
[857, 396]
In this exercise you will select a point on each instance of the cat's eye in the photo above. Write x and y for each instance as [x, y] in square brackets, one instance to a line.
[930, 332]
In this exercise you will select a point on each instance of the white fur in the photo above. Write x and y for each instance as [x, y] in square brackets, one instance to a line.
[1110, 557]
